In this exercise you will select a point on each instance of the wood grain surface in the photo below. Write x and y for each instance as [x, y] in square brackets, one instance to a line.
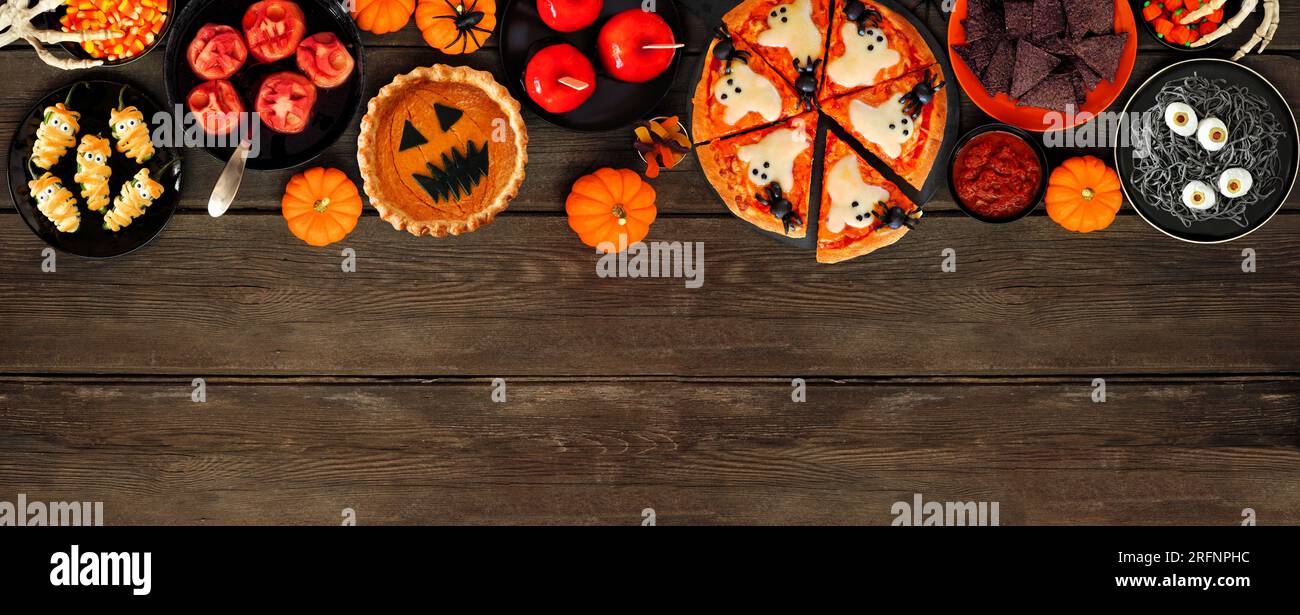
[371, 390]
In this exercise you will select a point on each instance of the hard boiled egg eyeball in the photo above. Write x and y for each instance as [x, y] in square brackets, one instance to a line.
[1181, 118]
[1199, 196]
[1212, 134]
[1236, 183]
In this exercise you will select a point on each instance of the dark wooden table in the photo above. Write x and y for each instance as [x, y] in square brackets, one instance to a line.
[372, 390]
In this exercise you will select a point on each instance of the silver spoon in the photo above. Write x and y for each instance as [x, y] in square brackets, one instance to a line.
[228, 184]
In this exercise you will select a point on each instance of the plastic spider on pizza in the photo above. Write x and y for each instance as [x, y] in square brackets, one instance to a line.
[725, 51]
[806, 84]
[922, 94]
[781, 208]
[896, 217]
[866, 17]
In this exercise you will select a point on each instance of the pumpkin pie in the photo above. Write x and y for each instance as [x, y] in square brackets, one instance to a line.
[442, 150]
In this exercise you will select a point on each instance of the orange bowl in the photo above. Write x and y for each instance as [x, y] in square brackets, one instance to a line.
[1004, 109]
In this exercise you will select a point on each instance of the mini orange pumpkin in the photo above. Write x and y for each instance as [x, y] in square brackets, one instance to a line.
[456, 26]
[321, 206]
[1083, 195]
[383, 16]
[611, 209]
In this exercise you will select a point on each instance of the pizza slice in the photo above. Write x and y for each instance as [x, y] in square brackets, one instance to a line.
[861, 211]
[901, 121]
[738, 91]
[764, 176]
[871, 44]
[788, 34]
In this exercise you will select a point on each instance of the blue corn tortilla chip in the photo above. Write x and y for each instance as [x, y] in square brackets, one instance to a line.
[1049, 18]
[1032, 66]
[1018, 15]
[1081, 91]
[983, 19]
[997, 77]
[1055, 93]
[977, 54]
[1058, 46]
[1090, 77]
[1102, 53]
[1095, 17]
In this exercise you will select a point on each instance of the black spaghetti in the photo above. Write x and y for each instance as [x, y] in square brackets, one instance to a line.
[1164, 162]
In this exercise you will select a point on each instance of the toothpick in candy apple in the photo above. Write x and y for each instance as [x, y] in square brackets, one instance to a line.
[637, 46]
[16, 23]
[560, 78]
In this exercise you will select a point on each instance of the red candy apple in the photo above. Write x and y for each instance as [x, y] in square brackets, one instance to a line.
[636, 46]
[569, 15]
[559, 78]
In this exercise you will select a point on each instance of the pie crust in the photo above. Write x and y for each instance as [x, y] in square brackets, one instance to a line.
[417, 100]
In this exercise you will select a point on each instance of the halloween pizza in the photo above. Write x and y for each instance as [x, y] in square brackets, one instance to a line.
[895, 122]
[764, 175]
[442, 150]
[823, 119]
[870, 46]
[861, 210]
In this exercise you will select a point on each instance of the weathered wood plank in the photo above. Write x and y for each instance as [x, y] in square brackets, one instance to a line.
[695, 452]
[522, 297]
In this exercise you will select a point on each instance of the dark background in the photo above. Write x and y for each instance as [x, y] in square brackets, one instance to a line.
[371, 390]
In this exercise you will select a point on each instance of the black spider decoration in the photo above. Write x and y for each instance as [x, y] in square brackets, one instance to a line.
[806, 84]
[921, 95]
[725, 51]
[780, 207]
[466, 19]
[896, 217]
[866, 17]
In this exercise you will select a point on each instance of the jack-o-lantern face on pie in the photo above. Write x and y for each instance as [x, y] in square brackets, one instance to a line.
[442, 150]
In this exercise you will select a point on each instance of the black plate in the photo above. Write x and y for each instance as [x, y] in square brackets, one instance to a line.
[615, 104]
[94, 100]
[938, 173]
[1229, 9]
[1215, 231]
[335, 108]
[75, 50]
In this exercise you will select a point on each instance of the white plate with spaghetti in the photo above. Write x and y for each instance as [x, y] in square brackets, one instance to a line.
[1211, 151]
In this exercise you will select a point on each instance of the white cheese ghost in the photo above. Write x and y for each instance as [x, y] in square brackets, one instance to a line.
[745, 91]
[791, 26]
[853, 200]
[886, 126]
[865, 56]
[772, 159]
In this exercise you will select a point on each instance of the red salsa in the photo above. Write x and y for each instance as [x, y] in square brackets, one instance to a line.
[997, 175]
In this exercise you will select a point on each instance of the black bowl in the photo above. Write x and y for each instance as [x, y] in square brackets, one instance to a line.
[1024, 136]
[1229, 9]
[616, 104]
[335, 109]
[75, 50]
[94, 100]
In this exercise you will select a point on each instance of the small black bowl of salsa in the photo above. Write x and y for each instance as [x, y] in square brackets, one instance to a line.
[998, 173]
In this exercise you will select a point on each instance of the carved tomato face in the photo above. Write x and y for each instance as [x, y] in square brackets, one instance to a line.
[216, 106]
[217, 52]
[285, 102]
[325, 60]
[274, 28]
